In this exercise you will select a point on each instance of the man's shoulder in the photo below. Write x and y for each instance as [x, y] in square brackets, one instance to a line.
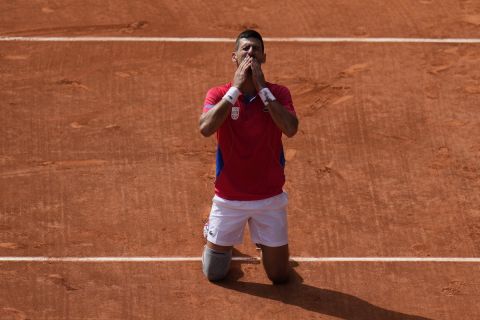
[276, 88]
[214, 95]
[220, 89]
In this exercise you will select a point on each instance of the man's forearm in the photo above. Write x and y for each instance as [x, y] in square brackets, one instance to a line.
[213, 119]
[284, 120]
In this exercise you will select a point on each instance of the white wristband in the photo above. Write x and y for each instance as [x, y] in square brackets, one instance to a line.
[232, 95]
[266, 96]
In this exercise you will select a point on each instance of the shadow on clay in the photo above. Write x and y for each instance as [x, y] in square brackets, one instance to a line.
[322, 301]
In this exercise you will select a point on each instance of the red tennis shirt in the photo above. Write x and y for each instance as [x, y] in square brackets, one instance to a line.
[250, 161]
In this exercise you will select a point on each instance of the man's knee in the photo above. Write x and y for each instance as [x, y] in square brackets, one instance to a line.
[278, 278]
[216, 264]
[276, 263]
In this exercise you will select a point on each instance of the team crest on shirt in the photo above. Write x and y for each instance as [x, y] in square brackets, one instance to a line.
[235, 113]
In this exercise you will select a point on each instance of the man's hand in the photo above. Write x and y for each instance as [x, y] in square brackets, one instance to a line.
[241, 74]
[257, 76]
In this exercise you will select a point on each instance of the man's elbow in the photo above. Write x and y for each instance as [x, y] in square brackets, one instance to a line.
[204, 131]
[290, 133]
[202, 125]
[292, 130]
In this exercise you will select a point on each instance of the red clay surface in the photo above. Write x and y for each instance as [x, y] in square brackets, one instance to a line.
[105, 158]
[100, 155]
[337, 18]
[373, 291]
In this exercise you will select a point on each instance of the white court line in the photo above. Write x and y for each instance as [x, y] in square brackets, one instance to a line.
[267, 39]
[247, 259]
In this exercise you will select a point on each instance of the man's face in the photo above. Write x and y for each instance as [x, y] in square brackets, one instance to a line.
[249, 47]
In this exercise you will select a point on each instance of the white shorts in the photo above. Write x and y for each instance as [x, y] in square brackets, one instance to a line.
[267, 220]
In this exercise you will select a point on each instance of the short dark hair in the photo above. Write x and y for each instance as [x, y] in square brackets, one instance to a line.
[249, 33]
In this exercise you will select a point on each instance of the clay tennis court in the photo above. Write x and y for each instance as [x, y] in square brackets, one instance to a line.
[105, 179]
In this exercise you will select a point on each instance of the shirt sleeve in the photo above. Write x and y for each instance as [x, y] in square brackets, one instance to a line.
[212, 98]
[283, 96]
